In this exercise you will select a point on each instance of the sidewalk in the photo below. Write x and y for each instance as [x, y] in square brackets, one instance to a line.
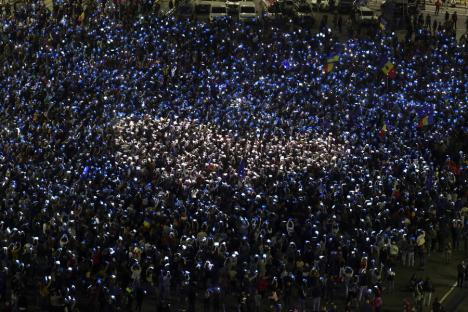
[461, 7]
[442, 275]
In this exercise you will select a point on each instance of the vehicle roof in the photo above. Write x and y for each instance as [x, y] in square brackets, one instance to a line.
[218, 4]
[208, 2]
[247, 4]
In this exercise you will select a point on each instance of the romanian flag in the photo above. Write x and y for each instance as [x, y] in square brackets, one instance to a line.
[383, 131]
[382, 24]
[453, 167]
[147, 223]
[425, 121]
[331, 60]
[327, 68]
[81, 17]
[389, 70]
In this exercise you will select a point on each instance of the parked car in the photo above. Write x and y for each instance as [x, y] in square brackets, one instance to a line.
[233, 7]
[247, 11]
[364, 15]
[218, 10]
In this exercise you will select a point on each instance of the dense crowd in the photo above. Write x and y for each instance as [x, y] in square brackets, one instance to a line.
[227, 162]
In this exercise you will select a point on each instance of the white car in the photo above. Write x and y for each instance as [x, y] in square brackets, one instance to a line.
[233, 7]
[218, 10]
[365, 15]
[247, 11]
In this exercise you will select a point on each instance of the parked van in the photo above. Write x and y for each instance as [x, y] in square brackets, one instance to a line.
[365, 16]
[218, 10]
[233, 7]
[247, 11]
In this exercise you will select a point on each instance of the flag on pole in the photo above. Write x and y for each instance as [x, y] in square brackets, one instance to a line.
[383, 130]
[81, 17]
[331, 60]
[383, 24]
[327, 68]
[453, 167]
[425, 121]
[389, 70]
[147, 223]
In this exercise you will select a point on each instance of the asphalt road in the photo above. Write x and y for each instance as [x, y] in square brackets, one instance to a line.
[457, 301]
[462, 12]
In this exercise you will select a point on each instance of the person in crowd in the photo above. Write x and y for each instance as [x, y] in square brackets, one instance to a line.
[438, 4]
[448, 252]
[428, 289]
[377, 303]
[418, 296]
[436, 305]
[428, 24]
[454, 19]
[461, 268]
[316, 295]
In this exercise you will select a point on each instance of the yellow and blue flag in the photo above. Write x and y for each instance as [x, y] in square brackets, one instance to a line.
[425, 121]
[389, 70]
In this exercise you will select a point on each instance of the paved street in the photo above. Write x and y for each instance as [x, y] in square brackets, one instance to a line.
[462, 12]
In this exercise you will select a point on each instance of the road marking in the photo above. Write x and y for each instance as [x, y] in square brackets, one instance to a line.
[448, 292]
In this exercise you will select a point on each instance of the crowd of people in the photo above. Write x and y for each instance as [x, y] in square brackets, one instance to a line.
[213, 166]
